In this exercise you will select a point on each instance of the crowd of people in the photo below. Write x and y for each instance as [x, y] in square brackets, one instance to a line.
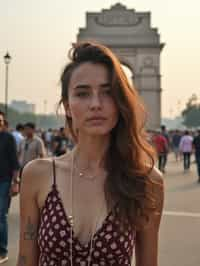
[55, 142]
[182, 143]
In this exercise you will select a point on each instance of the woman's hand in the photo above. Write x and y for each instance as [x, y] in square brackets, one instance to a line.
[14, 189]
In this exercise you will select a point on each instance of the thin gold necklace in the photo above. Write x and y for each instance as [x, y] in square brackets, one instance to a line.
[71, 221]
[81, 173]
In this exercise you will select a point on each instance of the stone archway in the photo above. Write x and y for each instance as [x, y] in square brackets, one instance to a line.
[129, 72]
[130, 35]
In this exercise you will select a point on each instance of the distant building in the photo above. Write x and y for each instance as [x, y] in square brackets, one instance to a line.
[23, 106]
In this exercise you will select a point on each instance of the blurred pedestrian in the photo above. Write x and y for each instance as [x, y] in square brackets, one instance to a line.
[57, 147]
[165, 154]
[176, 138]
[185, 147]
[31, 147]
[48, 139]
[196, 146]
[64, 138]
[161, 146]
[9, 171]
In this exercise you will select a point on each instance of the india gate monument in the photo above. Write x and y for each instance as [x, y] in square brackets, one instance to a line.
[130, 35]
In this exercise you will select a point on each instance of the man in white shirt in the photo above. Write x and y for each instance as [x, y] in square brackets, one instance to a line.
[185, 148]
[31, 147]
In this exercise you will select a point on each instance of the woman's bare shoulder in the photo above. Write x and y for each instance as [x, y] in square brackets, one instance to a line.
[36, 173]
[37, 167]
[37, 177]
[44, 166]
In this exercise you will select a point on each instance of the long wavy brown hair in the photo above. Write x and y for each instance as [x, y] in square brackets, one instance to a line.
[130, 158]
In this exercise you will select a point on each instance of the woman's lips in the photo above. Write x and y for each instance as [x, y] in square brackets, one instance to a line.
[96, 118]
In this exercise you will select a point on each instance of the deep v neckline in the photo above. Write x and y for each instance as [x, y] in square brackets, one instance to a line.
[96, 233]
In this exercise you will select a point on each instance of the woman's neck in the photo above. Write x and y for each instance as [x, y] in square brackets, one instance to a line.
[92, 151]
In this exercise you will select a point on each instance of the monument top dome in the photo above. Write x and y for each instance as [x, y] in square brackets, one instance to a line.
[118, 6]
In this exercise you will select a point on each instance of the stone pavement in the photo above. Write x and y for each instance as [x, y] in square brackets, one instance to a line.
[180, 226]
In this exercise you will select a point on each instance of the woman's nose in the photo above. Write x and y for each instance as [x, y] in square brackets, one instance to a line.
[95, 101]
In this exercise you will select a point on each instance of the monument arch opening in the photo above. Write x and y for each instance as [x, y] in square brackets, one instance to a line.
[129, 73]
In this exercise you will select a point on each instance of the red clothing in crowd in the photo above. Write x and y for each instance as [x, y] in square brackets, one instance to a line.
[160, 143]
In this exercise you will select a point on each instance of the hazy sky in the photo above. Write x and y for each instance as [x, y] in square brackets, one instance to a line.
[38, 33]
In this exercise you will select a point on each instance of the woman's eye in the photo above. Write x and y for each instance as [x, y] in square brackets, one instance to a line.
[107, 92]
[82, 94]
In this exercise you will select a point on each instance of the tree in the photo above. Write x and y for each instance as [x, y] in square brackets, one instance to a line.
[191, 113]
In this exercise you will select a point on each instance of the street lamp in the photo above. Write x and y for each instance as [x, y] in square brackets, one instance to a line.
[7, 59]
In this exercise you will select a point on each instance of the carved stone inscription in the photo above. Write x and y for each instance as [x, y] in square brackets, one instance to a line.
[118, 18]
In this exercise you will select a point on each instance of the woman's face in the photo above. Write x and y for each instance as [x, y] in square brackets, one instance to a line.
[90, 102]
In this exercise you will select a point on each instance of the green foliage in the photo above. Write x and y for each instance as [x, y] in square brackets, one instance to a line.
[41, 121]
[191, 113]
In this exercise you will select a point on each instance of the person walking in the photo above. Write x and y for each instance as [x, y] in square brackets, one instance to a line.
[48, 135]
[185, 148]
[31, 147]
[57, 147]
[161, 145]
[176, 138]
[9, 171]
[166, 136]
[196, 146]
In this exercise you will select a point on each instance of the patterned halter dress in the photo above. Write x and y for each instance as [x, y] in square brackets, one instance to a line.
[111, 245]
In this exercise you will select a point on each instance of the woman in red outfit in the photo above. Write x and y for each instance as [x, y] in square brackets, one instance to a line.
[94, 205]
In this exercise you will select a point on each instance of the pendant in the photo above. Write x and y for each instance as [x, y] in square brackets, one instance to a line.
[81, 175]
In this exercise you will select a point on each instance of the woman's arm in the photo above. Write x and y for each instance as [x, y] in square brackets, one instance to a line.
[146, 249]
[29, 217]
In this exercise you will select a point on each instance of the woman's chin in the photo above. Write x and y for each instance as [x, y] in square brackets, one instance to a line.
[97, 132]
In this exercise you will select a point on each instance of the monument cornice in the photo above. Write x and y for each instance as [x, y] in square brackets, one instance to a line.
[150, 89]
[118, 20]
[147, 75]
[138, 46]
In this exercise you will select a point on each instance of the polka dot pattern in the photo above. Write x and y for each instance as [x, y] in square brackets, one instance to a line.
[111, 245]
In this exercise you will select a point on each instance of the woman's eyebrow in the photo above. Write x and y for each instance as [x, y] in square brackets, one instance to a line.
[82, 86]
[87, 86]
[107, 84]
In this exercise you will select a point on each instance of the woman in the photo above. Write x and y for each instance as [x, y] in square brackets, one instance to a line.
[93, 205]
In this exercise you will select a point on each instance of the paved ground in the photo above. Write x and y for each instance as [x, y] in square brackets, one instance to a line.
[180, 227]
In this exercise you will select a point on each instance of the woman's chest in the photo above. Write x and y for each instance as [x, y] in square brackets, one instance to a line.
[109, 241]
